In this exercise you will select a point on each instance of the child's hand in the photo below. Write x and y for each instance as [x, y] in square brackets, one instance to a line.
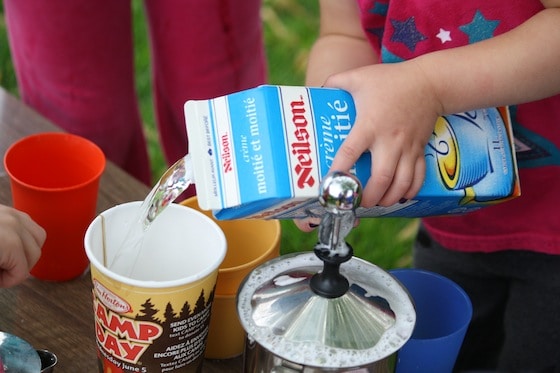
[396, 114]
[20, 245]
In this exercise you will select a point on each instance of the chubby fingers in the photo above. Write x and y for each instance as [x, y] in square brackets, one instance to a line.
[385, 158]
[307, 224]
[407, 179]
[33, 237]
[22, 240]
[397, 169]
[20, 230]
[13, 268]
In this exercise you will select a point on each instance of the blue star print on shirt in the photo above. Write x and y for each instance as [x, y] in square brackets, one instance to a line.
[480, 28]
[407, 33]
[379, 8]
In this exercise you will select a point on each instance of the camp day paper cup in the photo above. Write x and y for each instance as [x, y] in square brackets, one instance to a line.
[157, 319]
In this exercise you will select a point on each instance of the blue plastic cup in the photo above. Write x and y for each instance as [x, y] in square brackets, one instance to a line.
[443, 313]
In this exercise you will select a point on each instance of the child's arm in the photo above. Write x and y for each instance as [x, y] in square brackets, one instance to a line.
[397, 104]
[341, 44]
[519, 66]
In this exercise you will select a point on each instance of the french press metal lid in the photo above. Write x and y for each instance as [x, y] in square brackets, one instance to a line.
[327, 309]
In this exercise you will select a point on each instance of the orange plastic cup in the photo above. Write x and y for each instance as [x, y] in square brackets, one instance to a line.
[251, 242]
[54, 178]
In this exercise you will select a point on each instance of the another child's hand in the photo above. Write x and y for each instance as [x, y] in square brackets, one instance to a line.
[396, 114]
[21, 240]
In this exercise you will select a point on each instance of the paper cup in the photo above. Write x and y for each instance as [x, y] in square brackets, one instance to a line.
[54, 178]
[251, 242]
[443, 314]
[158, 322]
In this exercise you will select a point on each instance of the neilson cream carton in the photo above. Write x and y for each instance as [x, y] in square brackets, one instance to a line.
[261, 153]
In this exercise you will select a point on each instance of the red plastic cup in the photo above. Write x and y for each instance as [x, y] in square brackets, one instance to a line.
[54, 178]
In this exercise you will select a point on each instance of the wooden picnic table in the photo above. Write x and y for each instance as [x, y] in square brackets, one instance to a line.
[58, 316]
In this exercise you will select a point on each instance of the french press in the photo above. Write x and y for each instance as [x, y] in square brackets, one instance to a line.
[326, 310]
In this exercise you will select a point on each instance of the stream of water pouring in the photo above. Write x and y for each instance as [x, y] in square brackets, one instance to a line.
[171, 184]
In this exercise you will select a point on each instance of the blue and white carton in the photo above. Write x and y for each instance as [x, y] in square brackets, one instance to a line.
[261, 153]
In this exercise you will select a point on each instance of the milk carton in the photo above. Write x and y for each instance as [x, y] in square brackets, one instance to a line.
[262, 152]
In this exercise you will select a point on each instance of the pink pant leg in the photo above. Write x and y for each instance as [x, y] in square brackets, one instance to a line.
[201, 49]
[74, 64]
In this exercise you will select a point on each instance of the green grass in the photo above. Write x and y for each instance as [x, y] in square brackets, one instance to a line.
[290, 27]
[7, 75]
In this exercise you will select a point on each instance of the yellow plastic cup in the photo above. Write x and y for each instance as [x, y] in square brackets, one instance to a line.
[250, 242]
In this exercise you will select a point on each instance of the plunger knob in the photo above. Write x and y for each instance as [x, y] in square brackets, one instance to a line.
[340, 195]
[340, 192]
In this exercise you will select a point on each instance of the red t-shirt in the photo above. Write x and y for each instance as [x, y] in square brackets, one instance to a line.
[401, 30]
